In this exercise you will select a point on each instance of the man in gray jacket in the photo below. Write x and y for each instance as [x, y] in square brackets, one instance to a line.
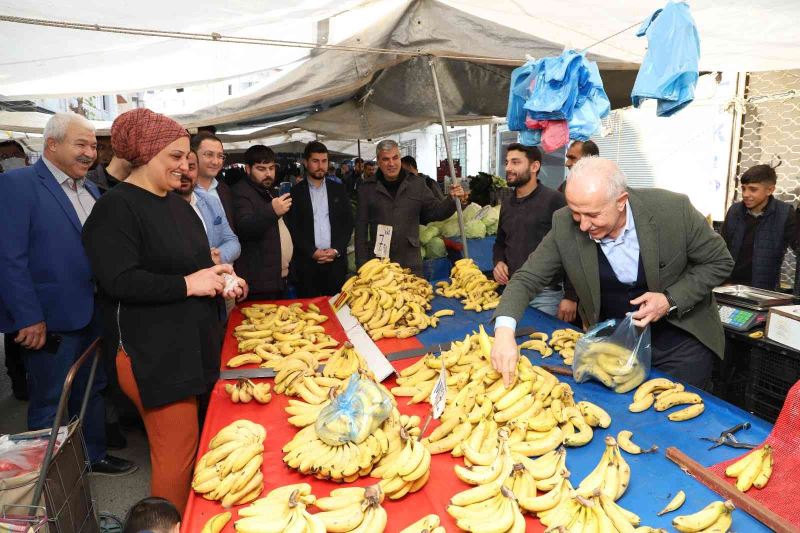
[641, 251]
[402, 201]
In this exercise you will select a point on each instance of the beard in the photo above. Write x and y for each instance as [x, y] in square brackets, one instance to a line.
[519, 180]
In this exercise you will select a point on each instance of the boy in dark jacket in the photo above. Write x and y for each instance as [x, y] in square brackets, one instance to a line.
[758, 230]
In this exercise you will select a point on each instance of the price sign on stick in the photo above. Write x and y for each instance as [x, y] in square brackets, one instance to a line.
[439, 393]
[383, 241]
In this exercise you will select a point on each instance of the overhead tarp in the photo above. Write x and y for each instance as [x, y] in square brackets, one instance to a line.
[39, 61]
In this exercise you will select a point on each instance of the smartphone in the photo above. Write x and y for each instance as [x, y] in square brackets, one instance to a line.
[51, 343]
[284, 188]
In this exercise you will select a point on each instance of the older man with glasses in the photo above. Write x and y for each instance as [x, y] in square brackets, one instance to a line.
[210, 160]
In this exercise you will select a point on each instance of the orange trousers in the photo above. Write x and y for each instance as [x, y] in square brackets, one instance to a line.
[173, 435]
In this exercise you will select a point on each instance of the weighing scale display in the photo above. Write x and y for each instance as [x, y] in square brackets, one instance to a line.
[737, 318]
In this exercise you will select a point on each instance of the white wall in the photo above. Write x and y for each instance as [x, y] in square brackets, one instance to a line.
[478, 145]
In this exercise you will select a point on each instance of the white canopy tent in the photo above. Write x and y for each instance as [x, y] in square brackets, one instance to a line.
[374, 81]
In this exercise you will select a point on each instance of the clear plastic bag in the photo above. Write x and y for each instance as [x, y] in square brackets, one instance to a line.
[615, 353]
[354, 414]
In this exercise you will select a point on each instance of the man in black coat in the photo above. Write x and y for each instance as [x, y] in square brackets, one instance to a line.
[321, 223]
[258, 212]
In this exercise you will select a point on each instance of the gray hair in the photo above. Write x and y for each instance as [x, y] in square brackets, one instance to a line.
[386, 145]
[597, 167]
[56, 127]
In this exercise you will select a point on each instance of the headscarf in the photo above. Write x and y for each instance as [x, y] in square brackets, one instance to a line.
[138, 135]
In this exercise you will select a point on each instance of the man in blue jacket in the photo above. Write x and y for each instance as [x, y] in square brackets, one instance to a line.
[758, 230]
[46, 285]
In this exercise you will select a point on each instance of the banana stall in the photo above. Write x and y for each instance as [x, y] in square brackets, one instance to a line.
[328, 445]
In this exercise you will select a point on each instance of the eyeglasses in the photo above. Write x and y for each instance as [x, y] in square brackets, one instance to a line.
[213, 155]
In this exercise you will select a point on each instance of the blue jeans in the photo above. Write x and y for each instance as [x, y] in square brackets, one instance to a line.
[46, 375]
[547, 301]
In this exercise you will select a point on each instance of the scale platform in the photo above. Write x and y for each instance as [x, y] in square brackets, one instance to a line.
[742, 308]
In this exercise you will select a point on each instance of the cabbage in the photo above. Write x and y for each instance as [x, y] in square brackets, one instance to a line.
[451, 229]
[470, 211]
[474, 229]
[427, 233]
[424, 254]
[491, 219]
[435, 249]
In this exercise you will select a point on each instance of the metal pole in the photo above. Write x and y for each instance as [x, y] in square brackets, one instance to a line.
[449, 154]
[359, 148]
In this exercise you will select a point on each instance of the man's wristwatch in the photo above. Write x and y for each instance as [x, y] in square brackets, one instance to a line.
[672, 305]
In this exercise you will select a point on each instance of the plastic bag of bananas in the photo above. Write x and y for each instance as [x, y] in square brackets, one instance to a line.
[390, 301]
[355, 413]
[615, 353]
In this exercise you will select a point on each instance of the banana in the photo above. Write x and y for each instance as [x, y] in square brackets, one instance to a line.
[702, 519]
[678, 398]
[674, 503]
[424, 524]
[244, 359]
[766, 469]
[642, 404]
[594, 415]
[625, 443]
[216, 523]
[750, 473]
[687, 413]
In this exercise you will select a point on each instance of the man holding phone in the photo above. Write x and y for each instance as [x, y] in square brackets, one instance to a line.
[258, 215]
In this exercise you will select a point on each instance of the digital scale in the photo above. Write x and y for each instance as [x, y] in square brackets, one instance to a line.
[742, 308]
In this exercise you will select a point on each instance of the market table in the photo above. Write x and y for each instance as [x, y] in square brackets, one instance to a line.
[654, 479]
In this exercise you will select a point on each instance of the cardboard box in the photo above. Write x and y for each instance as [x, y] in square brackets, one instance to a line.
[783, 325]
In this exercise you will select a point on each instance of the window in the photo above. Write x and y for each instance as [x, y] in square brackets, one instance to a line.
[408, 148]
[458, 146]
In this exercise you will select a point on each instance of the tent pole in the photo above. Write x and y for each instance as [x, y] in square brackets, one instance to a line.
[446, 138]
[359, 148]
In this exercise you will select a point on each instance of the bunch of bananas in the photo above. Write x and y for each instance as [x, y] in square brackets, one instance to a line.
[752, 470]
[410, 470]
[308, 454]
[230, 470]
[611, 476]
[575, 514]
[665, 394]
[282, 510]
[216, 523]
[390, 301]
[468, 282]
[626, 444]
[538, 343]
[393, 427]
[539, 411]
[563, 341]
[427, 524]
[291, 370]
[612, 365]
[489, 505]
[244, 390]
[345, 362]
[271, 332]
[355, 509]
[716, 516]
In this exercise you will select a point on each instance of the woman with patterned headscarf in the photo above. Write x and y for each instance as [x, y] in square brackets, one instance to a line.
[161, 293]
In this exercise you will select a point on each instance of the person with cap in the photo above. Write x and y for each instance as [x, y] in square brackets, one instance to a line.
[46, 286]
[161, 294]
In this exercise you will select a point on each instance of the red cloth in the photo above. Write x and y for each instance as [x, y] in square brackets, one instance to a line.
[433, 498]
[555, 133]
[138, 135]
[785, 479]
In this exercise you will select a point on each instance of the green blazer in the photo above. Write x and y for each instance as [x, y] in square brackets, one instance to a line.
[681, 254]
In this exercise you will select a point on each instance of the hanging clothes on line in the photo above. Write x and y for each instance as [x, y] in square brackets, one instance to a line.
[669, 71]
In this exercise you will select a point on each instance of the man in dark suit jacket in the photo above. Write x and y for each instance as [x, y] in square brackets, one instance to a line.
[643, 251]
[258, 212]
[46, 281]
[321, 223]
[210, 160]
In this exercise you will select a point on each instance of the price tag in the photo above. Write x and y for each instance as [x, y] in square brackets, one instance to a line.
[483, 212]
[383, 241]
[438, 394]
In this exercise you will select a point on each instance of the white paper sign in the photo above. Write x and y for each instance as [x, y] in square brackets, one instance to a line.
[383, 241]
[439, 394]
[362, 342]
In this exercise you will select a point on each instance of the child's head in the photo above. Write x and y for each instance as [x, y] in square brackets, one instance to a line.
[758, 183]
[155, 515]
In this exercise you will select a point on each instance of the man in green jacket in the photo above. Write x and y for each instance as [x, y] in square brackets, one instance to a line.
[643, 251]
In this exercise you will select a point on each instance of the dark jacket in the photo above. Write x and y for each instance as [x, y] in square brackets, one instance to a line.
[226, 198]
[679, 251]
[257, 229]
[774, 233]
[433, 185]
[413, 205]
[300, 220]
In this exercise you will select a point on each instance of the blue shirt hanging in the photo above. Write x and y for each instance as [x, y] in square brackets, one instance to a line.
[669, 70]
